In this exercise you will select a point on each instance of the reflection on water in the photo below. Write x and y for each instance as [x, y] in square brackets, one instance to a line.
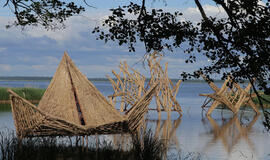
[162, 129]
[166, 130]
[230, 132]
[226, 137]
[121, 140]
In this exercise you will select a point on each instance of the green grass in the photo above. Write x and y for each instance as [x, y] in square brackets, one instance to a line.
[27, 93]
[267, 97]
[5, 108]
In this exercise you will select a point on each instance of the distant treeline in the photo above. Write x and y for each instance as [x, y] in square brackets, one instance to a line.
[41, 79]
[32, 78]
[25, 78]
[20, 78]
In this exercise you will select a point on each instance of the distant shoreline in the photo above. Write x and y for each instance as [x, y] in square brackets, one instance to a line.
[21, 78]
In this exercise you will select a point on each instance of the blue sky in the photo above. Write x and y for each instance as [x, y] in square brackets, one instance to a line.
[37, 52]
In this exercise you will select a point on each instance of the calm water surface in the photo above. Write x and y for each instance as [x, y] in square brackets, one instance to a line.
[223, 136]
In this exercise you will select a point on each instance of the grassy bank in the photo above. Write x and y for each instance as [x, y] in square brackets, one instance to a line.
[27, 93]
[55, 148]
[264, 96]
[5, 108]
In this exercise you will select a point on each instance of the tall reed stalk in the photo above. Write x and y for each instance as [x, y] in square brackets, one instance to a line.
[53, 148]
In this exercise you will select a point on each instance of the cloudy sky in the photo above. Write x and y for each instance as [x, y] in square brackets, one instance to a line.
[37, 52]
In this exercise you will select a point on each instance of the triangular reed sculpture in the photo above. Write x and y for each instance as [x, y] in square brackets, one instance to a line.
[231, 95]
[130, 85]
[72, 105]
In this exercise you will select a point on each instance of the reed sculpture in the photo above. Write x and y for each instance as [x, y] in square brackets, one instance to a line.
[166, 92]
[72, 105]
[130, 85]
[231, 95]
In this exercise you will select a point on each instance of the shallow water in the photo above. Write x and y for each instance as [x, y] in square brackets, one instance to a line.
[221, 137]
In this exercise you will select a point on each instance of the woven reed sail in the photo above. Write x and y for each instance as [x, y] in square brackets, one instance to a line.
[233, 97]
[77, 94]
[72, 105]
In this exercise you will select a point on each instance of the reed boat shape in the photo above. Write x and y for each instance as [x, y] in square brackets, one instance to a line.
[72, 105]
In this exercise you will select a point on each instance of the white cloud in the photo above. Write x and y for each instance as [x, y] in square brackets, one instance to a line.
[5, 67]
[38, 59]
[109, 59]
[213, 9]
[174, 60]
[192, 10]
[209, 9]
[261, 3]
[38, 67]
[35, 51]
[2, 49]
[24, 59]
[74, 27]
[51, 60]
[131, 59]
[42, 68]
[27, 70]
[193, 14]
[89, 49]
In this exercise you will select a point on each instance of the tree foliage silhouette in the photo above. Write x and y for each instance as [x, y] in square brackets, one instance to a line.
[237, 44]
[48, 13]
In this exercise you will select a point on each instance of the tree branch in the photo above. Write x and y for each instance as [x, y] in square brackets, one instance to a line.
[201, 10]
[6, 3]
[228, 11]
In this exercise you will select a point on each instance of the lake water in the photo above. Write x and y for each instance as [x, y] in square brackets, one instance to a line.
[223, 136]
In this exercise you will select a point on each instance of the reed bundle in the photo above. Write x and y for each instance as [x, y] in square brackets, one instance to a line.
[231, 95]
[130, 85]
